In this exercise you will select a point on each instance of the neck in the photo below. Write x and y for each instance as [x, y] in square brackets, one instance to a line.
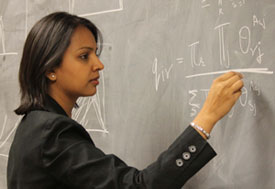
[66, 102]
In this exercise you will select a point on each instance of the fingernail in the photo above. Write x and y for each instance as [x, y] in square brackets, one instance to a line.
[242, 75]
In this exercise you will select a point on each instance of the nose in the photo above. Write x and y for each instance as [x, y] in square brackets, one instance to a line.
[97, 65]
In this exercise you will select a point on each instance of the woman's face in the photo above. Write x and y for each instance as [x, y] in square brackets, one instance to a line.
[78, 73]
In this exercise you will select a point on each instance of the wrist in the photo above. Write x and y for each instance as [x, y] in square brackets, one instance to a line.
[205, 121]
[202, 132]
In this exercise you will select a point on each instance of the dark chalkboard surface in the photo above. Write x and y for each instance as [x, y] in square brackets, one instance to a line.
[160, 58]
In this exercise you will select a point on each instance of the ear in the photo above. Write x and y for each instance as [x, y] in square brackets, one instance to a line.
[51, 76]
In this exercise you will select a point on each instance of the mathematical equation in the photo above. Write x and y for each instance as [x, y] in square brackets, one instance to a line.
[246, 100]
[246, 46]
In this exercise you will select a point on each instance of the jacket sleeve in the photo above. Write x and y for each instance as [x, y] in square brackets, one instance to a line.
[70, 156]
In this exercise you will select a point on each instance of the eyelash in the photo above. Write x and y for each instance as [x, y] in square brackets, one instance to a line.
[84, 56]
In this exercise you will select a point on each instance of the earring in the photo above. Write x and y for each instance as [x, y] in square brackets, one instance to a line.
[52, 75]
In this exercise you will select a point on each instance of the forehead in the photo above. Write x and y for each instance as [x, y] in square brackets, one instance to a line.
[82, 37]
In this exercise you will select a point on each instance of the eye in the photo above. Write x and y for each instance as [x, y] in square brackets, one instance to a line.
[84, 56]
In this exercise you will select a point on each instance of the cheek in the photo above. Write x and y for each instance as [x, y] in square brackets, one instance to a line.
[71, 80]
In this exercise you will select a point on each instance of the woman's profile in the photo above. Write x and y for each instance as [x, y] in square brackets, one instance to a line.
[60, 63]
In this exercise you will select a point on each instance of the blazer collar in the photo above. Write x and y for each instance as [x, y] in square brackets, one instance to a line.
[52, 106]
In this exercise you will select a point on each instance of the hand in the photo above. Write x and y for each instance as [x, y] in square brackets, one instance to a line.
[223, 94]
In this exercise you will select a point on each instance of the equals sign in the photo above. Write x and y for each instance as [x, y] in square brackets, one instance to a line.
[205, 6]
[179, 60]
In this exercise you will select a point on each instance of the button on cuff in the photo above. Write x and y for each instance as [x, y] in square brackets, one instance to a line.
[186, 155]
[179, 162]
[192, 149]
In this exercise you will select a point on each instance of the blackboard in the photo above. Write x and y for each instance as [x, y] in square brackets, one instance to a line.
[160, 58]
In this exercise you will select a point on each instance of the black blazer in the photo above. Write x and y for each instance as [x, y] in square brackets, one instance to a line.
[50, 151]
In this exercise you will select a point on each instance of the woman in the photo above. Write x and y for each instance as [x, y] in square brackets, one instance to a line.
[50, 150]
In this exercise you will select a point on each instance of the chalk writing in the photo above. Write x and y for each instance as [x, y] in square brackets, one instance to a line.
[254, 88]
[160, 73]
[194, 62]
[246, 44]
[246, 100]
[220, 7]
[2, 37]
[194, 106]
[259, 22]
[205, 3]
[180, 60]
[224, 53]
[234, 3]
[238, 3]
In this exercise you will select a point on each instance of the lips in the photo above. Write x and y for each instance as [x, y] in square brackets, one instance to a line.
[95, 81]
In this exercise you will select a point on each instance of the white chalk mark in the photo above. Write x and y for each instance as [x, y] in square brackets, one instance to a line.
[223, 54]
[155, 72]
[2, 35]
[244, 97]
[97, 130]
[259, 22]
[106, 11]
[71, 6]
[98, 114]
[222, 25]
[194, 62]
[194, 106]
[10, 53]
[180, 60]
[246, 39]
[13, 129]
[4, 155]
[4, 125]
[248, 70]
[205, 6]
[88, 106]
[103, 97]
[195, 43]
[26, 18]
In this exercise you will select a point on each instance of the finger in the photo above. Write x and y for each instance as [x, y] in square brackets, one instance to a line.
[237, 86]
[226, 76]
[239, 74]
[237, 95]
[232, 80]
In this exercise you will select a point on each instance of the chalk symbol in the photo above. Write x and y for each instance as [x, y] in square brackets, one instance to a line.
[180, 60]
[205, 6]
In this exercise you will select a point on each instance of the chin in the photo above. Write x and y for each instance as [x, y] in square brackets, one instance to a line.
[90, 93]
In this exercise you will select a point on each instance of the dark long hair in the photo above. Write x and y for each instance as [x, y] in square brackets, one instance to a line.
[43, 51]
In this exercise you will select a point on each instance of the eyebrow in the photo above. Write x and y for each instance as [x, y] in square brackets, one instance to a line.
[89, 48]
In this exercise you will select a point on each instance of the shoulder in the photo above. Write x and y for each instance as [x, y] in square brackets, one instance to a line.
[55, 125]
